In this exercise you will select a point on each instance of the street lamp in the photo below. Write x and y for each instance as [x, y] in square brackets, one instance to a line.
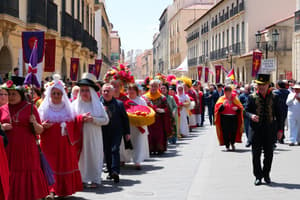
[275, 38]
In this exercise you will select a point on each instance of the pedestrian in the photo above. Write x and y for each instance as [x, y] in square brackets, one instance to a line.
[21, 123]
[172, 137]
[198, 102]
[209, 102]
[3, 97]
[283, 94]
[4, 171]
[158, 131]
[293, 103]
[138, 135]
[113, 132]
[59, 139]
[184, 103]
[189, 90]
[88, 105]
[263, 108]
[229, 119]
[243, 99]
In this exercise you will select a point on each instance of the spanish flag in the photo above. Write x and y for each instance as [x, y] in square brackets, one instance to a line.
[231, 74]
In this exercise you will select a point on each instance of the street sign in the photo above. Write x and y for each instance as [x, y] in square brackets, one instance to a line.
[268, 66]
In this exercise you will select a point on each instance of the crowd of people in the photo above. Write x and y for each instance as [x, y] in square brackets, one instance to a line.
[101, 125]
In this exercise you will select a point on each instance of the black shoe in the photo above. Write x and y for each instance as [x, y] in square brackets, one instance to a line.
[257, 182]
[267, 180]
[248, 144]
[109, 177]
[115, 176]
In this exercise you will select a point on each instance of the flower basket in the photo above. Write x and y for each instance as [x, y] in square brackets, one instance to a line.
[140, 115]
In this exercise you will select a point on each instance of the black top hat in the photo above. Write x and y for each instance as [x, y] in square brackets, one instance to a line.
[88, 79]
[262, 79]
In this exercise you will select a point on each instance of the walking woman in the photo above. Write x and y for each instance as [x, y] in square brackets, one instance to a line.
[59, 139]
[139, 139]
[184, 103]
[229, 119]
[27, 180]
[89, 105]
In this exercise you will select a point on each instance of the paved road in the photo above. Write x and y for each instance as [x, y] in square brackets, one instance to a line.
[198, 169]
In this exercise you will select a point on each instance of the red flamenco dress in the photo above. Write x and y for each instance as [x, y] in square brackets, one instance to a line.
[158, 131]
[60, 146]
[4, 172]
[27, 180]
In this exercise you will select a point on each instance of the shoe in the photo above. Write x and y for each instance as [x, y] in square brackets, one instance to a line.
[116, 177]
[109, 177]
[233, 147]
[138, 167]
[291, 144]
[267, 180]
[50, 196]
[248, 144]
[257, 182]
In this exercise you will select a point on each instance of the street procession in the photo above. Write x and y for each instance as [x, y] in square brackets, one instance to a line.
[78, 116]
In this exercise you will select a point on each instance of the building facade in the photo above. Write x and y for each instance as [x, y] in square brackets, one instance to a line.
[296, 43]
[71, 23]
[115, 47]
[227, 34]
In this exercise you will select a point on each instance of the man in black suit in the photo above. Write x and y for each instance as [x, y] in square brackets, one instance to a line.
[113, 132]
[263, 108]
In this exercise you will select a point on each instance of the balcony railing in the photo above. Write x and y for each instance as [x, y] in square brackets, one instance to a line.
[10, 7]
[193, 36]
[36, 12]
[201, 59]
[66, 25]
[77, 30]
[192, 62]
[105, 59]
[241, 6]
[52, 15]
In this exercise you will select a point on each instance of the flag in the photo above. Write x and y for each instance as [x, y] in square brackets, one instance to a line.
[200, 69]
[256, 62]
[231, 75]
[50, 45]
[218, 73]
[97, 68]
[32, 68]
[74, 68]
[206, 74]
[28, 40]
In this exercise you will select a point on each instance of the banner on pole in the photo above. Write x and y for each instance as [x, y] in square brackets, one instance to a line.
[97, 68]
[28, 40]
[206, 72]
[218, 73]
[50, 45]
[199, 69]
[74, 68]
[256, 62]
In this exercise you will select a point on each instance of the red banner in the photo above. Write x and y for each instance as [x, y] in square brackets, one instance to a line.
[206, 72]
[199, 69]
[218, 73]
[74, 68]
[97, 69]
[288, 75]
[50, 45]
[256, 62]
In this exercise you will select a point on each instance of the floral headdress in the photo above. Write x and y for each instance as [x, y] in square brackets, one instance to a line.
[161, 77]
[121, 72]
[186, 80]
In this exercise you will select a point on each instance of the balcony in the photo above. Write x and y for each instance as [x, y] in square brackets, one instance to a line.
[193, 36]
[192, 62]
[241, 6]
[52, 15]
[10, 7]
[66, 25]
[105, 59]
[77, 30]
[297, 21]
[36, 12]
[235, 10]
[201, 59]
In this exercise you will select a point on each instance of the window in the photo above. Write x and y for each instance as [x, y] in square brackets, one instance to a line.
[213, 43]
[232, 35]
[206, 47]
[237, 33]
[227, 38]
[73, 8]
[243, 31]
[78, 9]
[216, 42]
[82, 13]
[223, 39]
[219, 40]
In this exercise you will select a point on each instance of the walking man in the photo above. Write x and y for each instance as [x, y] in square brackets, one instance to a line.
[263, 110]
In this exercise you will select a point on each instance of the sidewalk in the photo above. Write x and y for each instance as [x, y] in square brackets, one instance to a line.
[228, 175]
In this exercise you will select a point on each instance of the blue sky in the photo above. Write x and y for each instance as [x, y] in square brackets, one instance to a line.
[136, 20]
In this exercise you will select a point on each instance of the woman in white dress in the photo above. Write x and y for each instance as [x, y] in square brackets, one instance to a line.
[89, 105]
[139, 140]
[184, 103]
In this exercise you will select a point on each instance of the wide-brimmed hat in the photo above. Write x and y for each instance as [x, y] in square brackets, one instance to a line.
[88, 79]
[296, 86]
[262, 79]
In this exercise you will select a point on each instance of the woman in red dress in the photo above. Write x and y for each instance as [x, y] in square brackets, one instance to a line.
[27, 180]
[59, 140]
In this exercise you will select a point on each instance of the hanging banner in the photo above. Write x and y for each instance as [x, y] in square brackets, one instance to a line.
[28, 40]
[218, 73]
[206, 72]
[91, 68]
[98, 64]
[50, 45]
[74, 68]
[256, 62]
[199, 69]
[288, 75]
